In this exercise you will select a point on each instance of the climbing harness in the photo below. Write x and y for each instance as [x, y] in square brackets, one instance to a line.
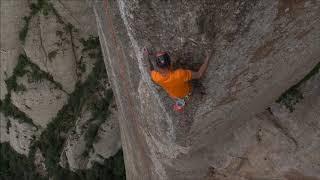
[180, 103]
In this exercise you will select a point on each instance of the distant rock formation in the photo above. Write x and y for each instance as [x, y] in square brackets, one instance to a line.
[56, 100]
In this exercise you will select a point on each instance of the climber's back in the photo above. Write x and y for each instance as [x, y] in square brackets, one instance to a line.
[174, 82]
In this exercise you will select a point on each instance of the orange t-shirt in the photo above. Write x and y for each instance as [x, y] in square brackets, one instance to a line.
[176, 83]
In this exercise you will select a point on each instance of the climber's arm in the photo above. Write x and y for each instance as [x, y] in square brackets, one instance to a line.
[146, 55]
[151, 67]
[198, 74]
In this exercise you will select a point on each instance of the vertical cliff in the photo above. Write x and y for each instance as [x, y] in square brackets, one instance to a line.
[253, 116]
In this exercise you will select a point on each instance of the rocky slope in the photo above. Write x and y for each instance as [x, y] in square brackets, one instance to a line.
[56, 102]
[256, 113]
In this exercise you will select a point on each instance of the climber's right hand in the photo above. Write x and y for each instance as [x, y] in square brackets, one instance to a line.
[146, 52]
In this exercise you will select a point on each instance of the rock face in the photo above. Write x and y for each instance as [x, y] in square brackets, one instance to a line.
[279, 143]
[11, 24]
[39, 162]
[48, 68]
[76, 153]
[57, 37]
[41, 101]
[109, 141]
[19, 135]
[232, 128]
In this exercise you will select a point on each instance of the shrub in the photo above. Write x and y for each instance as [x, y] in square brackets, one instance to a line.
[292, 96]
[34, 72]
[18, 71]
[24, 31]
[92, 43]
[8, 126]
[14, 166]
[52, 54]
[40, 6]
[10, 110]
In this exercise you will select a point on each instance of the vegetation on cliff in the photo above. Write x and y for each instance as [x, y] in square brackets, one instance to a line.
[91, 92]
[14, 166]
[53, 138]
[293, 95]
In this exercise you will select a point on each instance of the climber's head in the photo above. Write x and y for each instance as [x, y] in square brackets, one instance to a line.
[163, 60]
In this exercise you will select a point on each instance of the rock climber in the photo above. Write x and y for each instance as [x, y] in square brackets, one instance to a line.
[175, 82]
